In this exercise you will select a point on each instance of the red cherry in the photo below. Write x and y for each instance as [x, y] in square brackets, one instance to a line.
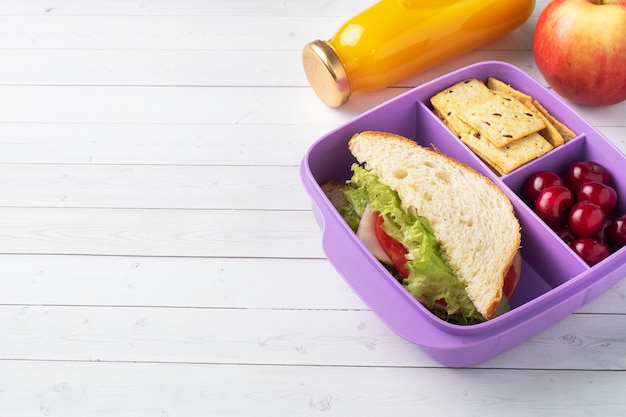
[538, 181]
[616, 232]
[565, 234]
[586, 219]
[583, 171]
[599, 194]
[591, 250]
[553, 205]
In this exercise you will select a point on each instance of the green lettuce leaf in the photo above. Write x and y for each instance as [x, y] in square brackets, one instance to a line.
[430, 278]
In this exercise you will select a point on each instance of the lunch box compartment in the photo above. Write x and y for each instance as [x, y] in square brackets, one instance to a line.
[590, 146]
[554, 282]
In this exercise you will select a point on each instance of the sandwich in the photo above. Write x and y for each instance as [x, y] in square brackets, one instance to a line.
[446, 232]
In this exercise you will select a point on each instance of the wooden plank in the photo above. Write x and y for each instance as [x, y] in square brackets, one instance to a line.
[185, 8]
[156, 143]
[278, 336]
[616, 135]
[260, 283]
[139, 232]
[138, 389]
[132, 32]
[152, 67]
[180, 105]
[153, 187]
[195, 68]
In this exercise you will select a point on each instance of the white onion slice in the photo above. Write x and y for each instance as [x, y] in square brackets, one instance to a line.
[366, 232]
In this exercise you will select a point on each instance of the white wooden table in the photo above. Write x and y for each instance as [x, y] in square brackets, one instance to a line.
[158, 255]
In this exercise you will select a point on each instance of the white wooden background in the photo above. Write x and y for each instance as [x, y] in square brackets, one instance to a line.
[158, 256]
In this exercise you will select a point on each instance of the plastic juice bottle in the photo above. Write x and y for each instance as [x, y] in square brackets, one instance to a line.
[394, 39]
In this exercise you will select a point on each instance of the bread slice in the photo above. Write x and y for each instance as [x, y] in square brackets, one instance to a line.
[472, 219]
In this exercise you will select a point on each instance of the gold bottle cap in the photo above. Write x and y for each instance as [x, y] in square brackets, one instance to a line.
[326, 74]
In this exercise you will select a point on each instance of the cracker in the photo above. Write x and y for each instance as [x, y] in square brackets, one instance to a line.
[550, 132]
[563, 130]
[450, 119]
[500, 118]
[455, 95]
[497, 85]
[449, 102]
[506, 159]
[505, 127]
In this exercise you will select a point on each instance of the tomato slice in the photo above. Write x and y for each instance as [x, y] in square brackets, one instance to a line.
[394, 249]
[512, 276]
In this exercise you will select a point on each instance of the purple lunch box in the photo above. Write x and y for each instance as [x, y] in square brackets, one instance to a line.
[555, 281]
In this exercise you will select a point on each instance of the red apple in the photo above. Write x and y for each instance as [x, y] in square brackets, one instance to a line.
[580, 48]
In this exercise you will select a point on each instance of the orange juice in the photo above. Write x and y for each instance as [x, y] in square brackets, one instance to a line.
[394, 39]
